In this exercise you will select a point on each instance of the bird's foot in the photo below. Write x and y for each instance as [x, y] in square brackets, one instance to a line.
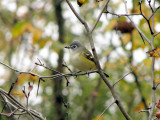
[75, 74]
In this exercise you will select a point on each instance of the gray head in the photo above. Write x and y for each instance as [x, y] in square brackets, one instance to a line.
[75, 45]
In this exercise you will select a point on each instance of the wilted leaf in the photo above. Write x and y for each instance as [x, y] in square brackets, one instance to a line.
[139, 107]
[154, 53]
[16, 93]
[26, 77]
[124, 27]
[30, 87]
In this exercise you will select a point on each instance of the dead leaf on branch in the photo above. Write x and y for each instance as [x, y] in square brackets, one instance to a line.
[154, 53]
[124, 27]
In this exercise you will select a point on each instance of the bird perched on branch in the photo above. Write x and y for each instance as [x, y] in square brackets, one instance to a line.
[81, 58]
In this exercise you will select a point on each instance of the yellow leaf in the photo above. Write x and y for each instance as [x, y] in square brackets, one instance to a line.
[147, 62]
[26, 77]
[19, 29]
[139, 107]
[157, 80]
[22, 78]
[154, 53]
[42, 42]
[97, 118]
[137, 41]
[16, 93]
[125, 38]
[110, 25]
[24, 26]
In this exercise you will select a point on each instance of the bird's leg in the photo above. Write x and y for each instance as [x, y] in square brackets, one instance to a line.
[88, 72]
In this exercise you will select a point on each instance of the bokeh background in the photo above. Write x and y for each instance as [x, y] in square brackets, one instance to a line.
[31, 29]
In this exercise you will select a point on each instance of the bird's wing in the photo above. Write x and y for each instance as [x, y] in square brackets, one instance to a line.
[89, 55]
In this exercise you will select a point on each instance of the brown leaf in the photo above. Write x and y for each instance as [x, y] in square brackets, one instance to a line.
[124, 27]
[154, 52]
[30, 87]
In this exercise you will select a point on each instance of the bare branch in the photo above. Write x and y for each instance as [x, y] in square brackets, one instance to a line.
[156, 34]
[143, 111]
[154, 12]
[75, 13]
[140, 4]
[140, 32]
[157, 85]
[123, 77]
[105, 7]
[9, 67]
[42, 65]
[106, 109]
[120, 15]
[18, 106]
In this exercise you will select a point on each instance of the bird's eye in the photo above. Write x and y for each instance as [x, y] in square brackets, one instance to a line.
[74, 46]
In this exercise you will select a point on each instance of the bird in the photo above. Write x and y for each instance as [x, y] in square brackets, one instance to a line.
[81, 58]
[80, 2]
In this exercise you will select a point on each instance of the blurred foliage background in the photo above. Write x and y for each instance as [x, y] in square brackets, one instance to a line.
[31, 29]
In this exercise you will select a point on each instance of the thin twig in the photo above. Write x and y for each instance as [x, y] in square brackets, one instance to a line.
[9, 67]
[123, 77]
[156, 34]
[105, 7]
[106, 110]
[154, 13]
[42, 65]
[75, 13]
[143, 111]
[120, 15]
[157, 85]
[18, 106]
[149, 2]
[140, 32]
[140, 4]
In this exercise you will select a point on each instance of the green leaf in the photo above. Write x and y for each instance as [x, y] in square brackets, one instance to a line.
[18, 29]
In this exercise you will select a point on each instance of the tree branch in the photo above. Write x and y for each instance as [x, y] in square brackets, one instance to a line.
[105, 6]
[140, 32]
[18, 106]
[106, 109]
[89, 33]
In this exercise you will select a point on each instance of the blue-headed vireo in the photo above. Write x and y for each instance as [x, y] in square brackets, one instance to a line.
[81, 58]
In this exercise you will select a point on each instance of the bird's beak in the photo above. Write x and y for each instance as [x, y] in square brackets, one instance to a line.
[68, 47]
